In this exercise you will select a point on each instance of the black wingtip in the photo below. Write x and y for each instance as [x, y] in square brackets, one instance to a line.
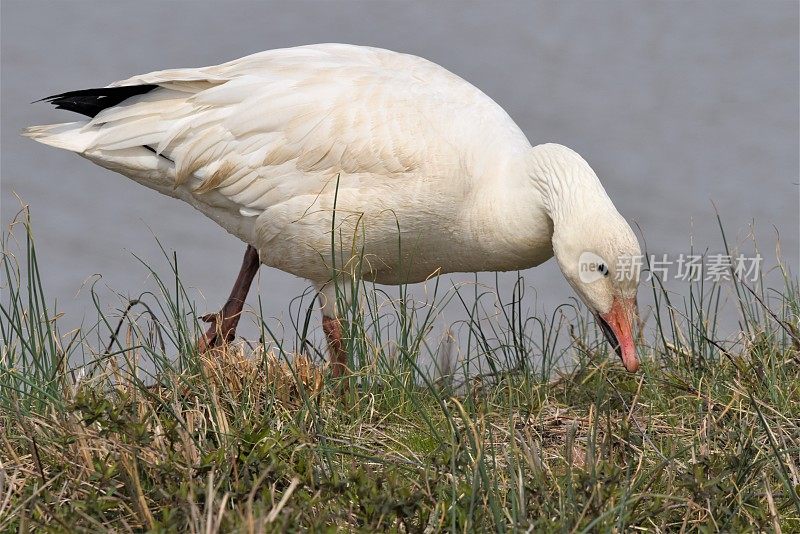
[90, 102]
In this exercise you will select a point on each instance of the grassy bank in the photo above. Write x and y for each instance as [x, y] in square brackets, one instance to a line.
[705, 437]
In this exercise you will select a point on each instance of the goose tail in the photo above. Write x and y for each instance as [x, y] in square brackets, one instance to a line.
[89, 102]
[66, 135]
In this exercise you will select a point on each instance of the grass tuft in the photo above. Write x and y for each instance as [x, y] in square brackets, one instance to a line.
[122, 426]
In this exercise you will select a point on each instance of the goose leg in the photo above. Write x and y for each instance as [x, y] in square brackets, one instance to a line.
[223, 324]
[338, 356]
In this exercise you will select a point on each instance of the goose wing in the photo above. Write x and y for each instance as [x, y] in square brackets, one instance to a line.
[275, 125]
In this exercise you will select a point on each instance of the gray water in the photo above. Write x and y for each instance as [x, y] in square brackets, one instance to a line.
[674, 104]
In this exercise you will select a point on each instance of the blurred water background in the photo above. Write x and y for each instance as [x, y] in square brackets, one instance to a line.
[675, 104]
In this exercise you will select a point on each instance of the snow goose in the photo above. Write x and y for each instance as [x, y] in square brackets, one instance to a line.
[334, 161]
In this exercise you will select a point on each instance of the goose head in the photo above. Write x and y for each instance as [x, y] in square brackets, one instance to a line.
[601, 265]
[595, 247]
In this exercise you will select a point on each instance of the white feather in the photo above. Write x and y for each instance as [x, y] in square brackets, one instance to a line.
[268, 145]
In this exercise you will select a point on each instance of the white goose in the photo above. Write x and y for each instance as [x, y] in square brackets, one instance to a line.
[426, 173]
